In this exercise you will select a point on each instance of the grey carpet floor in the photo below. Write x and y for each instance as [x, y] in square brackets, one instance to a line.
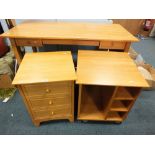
[14, 118]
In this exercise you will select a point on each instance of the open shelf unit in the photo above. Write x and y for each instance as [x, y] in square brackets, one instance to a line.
[105, 103]
[122, 102]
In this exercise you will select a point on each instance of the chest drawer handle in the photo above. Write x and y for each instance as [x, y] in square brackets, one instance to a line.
[50, 102]
[47, 90]
[52, 113]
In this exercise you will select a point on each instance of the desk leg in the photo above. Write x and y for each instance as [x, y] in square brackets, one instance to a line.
[79, 99]
[71, 119]
[34, 49]
[127, 46]
[16, 51]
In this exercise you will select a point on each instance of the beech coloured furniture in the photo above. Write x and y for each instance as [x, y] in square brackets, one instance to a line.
[109, 84]
[36, 34]
[46, 83]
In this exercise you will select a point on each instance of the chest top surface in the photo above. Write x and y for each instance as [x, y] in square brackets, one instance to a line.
[45, 67]
[108, 68]
[70, 30]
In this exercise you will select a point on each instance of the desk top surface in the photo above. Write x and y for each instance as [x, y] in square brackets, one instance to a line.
[45, 67]
[70, 30]
[108, 68]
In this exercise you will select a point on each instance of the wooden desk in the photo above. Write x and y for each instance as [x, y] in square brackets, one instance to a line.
[109, 84]
[46, 83]
[104, 36]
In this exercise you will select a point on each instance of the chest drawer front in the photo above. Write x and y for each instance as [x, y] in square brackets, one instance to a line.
[50, 102]
[52, 113]
[112, 45]
[47, 90]
[28, 42]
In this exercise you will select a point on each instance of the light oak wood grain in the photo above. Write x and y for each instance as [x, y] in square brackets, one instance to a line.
[70, 30]
[45, 67]
[71, 42]
[112, 45]
[108, 68]
[47, 89]
[28, 42]
[46, 83]
[104, 36]
[109, 85]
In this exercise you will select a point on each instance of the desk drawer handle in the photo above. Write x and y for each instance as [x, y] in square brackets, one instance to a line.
[52, 113]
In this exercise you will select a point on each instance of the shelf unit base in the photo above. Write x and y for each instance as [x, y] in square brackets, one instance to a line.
[105, 103]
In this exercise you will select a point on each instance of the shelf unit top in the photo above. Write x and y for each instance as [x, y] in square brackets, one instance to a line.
[45, 67]
[108, 68]
[70, 30]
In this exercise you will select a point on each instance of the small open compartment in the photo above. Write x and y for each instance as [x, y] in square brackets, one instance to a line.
[115, 116]
[94, 101]
[121, 105]
[127, 93]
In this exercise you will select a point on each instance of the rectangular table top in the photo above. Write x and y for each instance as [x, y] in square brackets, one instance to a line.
[108, 68]
[70, 30]
[45, 67]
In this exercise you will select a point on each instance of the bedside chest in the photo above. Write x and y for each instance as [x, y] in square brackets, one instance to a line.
[46, 82]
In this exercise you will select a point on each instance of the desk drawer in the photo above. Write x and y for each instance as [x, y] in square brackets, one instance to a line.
[28, 42]
[71, 42]
[52, 113]
[111, 45]
[62, 100]
[48, 89]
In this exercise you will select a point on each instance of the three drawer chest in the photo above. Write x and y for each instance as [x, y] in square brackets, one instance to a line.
[46, 82]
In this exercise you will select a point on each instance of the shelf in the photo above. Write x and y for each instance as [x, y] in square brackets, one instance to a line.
[123, 93]
[91, 111]
[119, 106]
[94, 116]
[114, 116]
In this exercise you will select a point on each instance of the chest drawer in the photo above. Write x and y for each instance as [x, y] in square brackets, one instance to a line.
[52, 113]
[28, 42]
[47, 89]
[112, 45]
[50, 102]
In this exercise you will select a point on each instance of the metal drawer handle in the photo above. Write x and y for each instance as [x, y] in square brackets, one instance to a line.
[52, 113]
